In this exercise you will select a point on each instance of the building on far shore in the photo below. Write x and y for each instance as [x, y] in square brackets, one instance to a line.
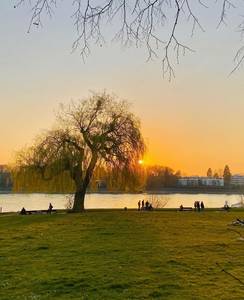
[211, 181]
[196, 181]
[237, 179]
[188, 181]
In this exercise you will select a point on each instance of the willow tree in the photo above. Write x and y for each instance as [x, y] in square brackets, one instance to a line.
[100, 129]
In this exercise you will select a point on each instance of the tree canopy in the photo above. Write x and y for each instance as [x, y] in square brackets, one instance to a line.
[209, 173]
[227, 175]
[97, 130]
[159, 177]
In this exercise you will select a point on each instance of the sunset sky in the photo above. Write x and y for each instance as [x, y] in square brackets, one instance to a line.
[194, 122]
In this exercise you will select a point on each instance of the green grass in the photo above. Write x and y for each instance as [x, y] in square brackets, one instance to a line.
[121, 255]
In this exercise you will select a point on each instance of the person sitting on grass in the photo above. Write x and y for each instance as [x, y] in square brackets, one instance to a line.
[23, 211]
[226, 206]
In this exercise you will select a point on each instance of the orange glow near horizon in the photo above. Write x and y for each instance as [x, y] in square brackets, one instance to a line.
[189, 124]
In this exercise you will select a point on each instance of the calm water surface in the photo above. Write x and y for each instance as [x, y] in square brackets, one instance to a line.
[15, 202]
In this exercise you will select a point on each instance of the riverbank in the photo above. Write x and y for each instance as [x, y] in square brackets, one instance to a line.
[163, 210]
[121, 255]
[15, 202]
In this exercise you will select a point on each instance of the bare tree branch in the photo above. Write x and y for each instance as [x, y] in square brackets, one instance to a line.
[229, 274]
[150, 23]
[226, 5]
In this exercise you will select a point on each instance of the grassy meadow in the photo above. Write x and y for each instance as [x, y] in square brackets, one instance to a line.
[121, 255]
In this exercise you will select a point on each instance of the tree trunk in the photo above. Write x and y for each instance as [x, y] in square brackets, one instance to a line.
[81, 186]
[79, 200]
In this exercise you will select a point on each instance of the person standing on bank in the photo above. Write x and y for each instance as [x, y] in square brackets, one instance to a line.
[142, 205]
[50, 208]
[139, 205]
[198, 206]
[147, 205]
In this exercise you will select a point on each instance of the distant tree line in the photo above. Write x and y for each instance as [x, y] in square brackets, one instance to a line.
[226, 175]
[158, 177]
[132, 179]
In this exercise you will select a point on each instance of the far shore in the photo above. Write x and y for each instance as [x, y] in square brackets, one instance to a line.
[224, 191]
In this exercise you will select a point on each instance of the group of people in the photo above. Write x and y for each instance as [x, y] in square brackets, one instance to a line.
[25, 212]
[144, 206]
[198, 206]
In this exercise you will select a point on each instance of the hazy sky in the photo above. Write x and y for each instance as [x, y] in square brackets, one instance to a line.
[192, 123]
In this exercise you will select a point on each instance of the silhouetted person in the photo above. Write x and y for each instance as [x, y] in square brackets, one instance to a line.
[142, 205]
[150, 206]
[50, 208]
[195, 205]
[181, 207]
[202, 205]
[198, 205]
[147, 205]
[139, 205]
[226, 206]
[23, 211]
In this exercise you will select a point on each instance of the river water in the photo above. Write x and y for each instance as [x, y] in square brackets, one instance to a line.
[15, 202]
